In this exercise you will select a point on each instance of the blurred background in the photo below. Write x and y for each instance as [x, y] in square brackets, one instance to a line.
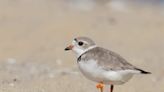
[34, 33]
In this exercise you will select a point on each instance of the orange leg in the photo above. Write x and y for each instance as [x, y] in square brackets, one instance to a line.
[100, 86]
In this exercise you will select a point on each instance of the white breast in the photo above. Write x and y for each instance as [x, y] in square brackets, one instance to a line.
[91, 70]
[96, 73]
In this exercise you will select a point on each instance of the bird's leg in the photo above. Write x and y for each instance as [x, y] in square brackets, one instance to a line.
[100, 86]
[111, 88]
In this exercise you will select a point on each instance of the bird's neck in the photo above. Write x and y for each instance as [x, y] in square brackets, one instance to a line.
[81, 52]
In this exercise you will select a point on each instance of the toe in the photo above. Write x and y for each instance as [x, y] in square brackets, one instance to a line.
[100, 85]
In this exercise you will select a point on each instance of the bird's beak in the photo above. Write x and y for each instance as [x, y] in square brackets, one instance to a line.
[69, 47]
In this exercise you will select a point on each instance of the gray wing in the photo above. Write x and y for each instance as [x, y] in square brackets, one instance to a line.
[108, 59]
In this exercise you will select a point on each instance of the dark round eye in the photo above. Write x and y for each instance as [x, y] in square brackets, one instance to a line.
[80, 43]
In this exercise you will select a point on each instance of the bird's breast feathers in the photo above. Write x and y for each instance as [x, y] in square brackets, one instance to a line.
[94, 72]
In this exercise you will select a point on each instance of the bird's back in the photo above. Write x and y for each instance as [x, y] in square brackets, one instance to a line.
[109, 60]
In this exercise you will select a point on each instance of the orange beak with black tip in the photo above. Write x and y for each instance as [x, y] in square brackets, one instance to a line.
[69, 48]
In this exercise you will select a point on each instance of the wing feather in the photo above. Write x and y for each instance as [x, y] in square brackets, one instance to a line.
[108, 59]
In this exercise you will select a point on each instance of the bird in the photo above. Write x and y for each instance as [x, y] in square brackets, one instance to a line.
[102, 65]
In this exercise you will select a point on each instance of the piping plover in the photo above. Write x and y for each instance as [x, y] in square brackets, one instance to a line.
[101, 65]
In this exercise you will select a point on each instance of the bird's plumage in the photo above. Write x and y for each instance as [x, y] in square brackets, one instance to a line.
[100, 64]
[109, 60]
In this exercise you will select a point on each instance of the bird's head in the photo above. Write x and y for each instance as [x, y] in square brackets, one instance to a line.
[80, 45]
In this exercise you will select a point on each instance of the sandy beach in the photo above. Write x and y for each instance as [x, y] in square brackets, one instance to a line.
[34, 33]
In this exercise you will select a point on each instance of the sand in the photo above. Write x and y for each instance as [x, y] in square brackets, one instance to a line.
[34, 33]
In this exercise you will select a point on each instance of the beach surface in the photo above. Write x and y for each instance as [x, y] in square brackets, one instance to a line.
[34, 33]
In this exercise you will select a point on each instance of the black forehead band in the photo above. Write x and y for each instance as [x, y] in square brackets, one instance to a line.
[76, 40]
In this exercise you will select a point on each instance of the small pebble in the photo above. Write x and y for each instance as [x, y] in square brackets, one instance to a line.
[12, 84]
[59, 62]
[11, 61]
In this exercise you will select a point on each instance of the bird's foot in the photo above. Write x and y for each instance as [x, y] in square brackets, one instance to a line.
[100, 86]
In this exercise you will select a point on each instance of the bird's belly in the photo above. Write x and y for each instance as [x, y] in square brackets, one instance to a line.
[116, 77]
[95, 73]
[91, 70]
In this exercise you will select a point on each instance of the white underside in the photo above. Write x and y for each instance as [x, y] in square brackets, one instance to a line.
[96, 73]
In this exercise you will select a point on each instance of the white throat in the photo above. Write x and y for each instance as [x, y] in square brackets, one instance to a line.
[80, 51]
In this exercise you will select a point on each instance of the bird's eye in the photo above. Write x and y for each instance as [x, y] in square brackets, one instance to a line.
[80, 43]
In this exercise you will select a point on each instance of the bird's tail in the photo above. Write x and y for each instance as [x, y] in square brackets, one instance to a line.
[143, 72]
